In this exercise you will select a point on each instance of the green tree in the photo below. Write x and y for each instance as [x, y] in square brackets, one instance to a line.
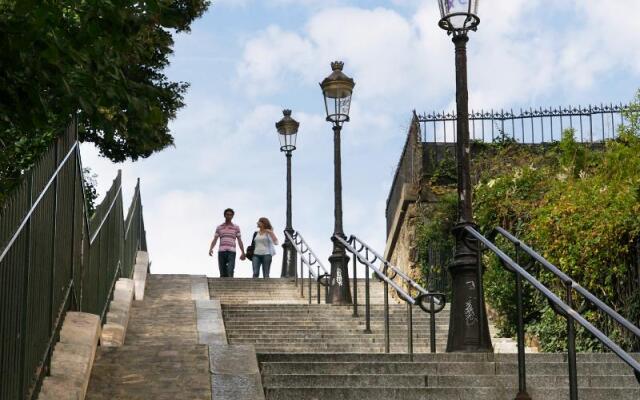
[101, 60]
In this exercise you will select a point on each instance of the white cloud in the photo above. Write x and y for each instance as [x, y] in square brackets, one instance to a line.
[226, 152]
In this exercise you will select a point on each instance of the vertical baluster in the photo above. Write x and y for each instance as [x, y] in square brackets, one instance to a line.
[522, 124]
[386, 314]
[302, 275]
[410, 328]
[571, 345]
[22, 332]
[309, 292]
[355, 284]
[318, 282]
[432, 325]
[54, 229]
[590, 124]
[522, 377]
[367, 298]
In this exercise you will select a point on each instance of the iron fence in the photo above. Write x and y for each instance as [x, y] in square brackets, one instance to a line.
[590, 124]
[431, 137]
[54, 259]
[407, 171]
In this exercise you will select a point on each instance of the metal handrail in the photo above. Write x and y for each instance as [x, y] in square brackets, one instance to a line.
[312, 260]
[37, 201]
[396, 270]
[560, 307]
[85, 264]
[564, 277]
[405, 296]
[382, 274]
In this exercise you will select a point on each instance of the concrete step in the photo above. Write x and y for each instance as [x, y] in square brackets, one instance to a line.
[452, 381]
[443, 368]
[423, 393]
[440, 357]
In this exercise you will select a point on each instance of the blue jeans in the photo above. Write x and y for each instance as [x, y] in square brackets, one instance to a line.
[226, 263]
[265, 261]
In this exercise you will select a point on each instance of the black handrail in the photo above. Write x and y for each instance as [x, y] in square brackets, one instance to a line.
[564, 277]
[322, 279]
[563, 309]
[53, 259]
[367, 256]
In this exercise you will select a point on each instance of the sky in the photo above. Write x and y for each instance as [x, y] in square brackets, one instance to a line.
[246, 60]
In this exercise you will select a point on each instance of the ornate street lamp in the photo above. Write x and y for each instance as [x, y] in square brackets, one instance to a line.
[288, 131]
[337, 89]
[468, 327]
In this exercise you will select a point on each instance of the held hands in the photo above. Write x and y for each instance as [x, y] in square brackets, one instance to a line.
[243, 257]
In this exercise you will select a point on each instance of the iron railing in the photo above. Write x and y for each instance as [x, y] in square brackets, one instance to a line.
[432, 136]
[565, 309]
[430, 302]
[54, 259]
[591, 124]
[320, 276]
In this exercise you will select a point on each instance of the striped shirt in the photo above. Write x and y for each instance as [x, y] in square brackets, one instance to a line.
[227, 234]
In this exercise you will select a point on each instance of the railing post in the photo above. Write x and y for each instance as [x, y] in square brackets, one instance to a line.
[301, 276]
[309, 292]
[318, 283]
[522, 376]
[367, 301]
[410, 331]
[25, 293]
[386, 316]
[54, 228]
[355, 285]
[571, 346]
[76, 304]
[432, 325]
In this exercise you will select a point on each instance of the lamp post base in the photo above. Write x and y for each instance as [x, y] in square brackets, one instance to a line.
[468, 325]
[339, 291]
[289, 259]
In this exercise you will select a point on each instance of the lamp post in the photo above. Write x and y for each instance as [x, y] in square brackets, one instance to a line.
[288, 131]
[337, 89]
[468, 326]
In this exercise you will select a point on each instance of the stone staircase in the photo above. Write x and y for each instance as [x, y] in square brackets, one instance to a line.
[161, 357]
[312, 352]
[440, 376]
[278, 291]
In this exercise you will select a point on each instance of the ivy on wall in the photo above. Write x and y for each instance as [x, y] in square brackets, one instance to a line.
[578, 206]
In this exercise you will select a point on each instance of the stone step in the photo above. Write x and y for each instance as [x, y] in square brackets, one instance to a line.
[338, 349]
[443, 368]
[356, 341]
[329, 335]
[418, 380]
[167, 371]
[441, 357]
[422, 393]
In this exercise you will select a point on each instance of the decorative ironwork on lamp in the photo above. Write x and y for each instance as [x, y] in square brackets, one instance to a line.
[288, 131]
[458, 16]
[337, 89]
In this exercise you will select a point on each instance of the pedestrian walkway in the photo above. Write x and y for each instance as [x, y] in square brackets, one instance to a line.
[161, 358]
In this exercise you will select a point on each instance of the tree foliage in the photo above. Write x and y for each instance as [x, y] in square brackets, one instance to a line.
[101, 60]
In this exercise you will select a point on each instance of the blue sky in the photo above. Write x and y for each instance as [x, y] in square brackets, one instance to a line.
[246, 60]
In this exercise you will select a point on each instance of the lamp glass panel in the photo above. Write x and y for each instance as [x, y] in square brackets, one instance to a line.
[448, 7]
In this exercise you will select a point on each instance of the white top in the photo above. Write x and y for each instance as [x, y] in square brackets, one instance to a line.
[264, 245]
